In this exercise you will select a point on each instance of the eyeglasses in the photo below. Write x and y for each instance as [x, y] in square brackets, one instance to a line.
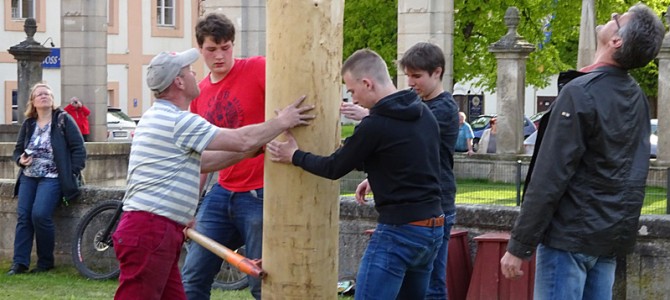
[615, 17]
[42, 94]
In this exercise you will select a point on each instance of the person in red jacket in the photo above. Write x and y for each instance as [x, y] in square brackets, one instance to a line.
[79, 113]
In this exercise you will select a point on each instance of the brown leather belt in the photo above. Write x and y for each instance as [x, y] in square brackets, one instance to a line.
[432, 222]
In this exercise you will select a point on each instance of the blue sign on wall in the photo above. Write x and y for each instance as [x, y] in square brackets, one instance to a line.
[53, 60]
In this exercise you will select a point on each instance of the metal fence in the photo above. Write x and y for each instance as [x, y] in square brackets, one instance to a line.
[502, 184]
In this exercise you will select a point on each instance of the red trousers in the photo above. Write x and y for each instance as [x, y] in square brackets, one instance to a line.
[148, 247]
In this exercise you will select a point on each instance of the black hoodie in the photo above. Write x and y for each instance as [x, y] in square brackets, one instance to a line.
[398, 146]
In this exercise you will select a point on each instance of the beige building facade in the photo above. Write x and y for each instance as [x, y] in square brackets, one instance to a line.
[136, 31]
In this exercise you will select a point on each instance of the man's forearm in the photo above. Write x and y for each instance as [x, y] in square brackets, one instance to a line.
[247, 138]
[217, 160]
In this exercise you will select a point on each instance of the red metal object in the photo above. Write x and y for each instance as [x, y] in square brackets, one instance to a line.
[488, 282]
[459, 265]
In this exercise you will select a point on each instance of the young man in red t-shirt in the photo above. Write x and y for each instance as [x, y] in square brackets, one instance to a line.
[231, 213]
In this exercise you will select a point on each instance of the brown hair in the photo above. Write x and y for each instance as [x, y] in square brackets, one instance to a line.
[31, 111]
[217, 26]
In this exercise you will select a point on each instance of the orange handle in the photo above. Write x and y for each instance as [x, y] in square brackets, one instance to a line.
[238, 261]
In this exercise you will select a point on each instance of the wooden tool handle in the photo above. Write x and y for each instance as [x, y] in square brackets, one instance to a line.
[238, 261]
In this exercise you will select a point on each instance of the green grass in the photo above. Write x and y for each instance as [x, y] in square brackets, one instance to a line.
[347, 130]
[484, 192]
[480, 191]
[64, 282]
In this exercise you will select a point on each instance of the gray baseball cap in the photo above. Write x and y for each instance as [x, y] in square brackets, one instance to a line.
[165, 67]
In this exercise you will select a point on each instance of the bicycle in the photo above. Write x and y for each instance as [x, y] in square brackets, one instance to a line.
[93, 249]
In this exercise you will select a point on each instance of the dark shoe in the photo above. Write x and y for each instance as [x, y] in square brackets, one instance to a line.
[17, 269]
[40, 270]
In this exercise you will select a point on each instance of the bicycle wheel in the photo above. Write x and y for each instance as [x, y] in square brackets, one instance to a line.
[231, 278]
[94, 257]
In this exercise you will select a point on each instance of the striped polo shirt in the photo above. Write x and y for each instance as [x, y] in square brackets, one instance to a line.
[164, 164]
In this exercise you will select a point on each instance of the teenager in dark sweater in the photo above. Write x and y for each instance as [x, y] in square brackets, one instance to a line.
[397, 145]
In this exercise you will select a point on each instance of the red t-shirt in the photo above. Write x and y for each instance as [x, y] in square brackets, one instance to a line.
[236, 101]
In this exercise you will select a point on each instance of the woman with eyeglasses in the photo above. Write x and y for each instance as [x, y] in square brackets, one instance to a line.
[50, 152]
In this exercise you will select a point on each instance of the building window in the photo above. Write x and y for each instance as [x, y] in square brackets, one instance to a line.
[167, 18]
[15, 107]
[23, 9]
[165, 11]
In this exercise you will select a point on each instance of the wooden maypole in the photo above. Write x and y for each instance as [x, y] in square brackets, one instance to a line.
[301, 210]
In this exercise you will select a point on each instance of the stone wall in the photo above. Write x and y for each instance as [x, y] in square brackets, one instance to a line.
[105, 162]
[642, 275]
[8, 133]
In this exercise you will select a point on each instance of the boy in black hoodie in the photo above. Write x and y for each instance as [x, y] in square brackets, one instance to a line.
[397, 145]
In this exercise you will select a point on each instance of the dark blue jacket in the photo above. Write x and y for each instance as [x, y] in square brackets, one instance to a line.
[68, 150]
[445, 110]
[398, 145]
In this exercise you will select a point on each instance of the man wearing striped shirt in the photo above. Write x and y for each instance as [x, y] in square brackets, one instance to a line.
[164, 174]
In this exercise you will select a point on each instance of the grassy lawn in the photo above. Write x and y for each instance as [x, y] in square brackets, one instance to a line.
[484, 192]
[347, 130]
[65, 283]
[472, 191]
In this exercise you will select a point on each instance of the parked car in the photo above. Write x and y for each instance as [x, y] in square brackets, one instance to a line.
[481, 123]
[120, 127]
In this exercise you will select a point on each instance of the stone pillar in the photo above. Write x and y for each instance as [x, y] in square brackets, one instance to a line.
[663, 146]
[511, 52]
[427, 21]
[249, 19]
[84, 60]
[29, 55]
[587, 35]
[301, 210]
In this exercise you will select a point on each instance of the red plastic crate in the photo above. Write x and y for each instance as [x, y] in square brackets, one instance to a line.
[487, 281]
[459, 265]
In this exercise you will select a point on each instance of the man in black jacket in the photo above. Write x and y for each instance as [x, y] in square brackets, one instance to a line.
[398, 146]
[583, 200]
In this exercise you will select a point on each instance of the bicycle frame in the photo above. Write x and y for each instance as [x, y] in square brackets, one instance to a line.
[107, 234]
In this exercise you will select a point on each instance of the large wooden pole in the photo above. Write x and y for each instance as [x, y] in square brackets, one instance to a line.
[301, 210]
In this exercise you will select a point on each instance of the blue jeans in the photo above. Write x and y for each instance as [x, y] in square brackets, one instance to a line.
[38, 198]
[232, 219]
[437, 288]
[570, 275]
[398, 256]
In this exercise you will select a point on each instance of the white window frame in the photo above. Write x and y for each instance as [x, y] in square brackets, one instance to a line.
[163, 10]
[17, 11]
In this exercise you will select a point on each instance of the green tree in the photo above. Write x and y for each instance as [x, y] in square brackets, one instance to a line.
[552, 26]
[372, 24]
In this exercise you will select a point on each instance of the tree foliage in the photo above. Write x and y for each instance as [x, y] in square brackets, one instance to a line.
[372, 24]
[551, 25]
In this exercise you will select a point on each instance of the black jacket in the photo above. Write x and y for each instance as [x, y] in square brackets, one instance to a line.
[398, 146]
[588, 173]
[68, 150]
[445, 110]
